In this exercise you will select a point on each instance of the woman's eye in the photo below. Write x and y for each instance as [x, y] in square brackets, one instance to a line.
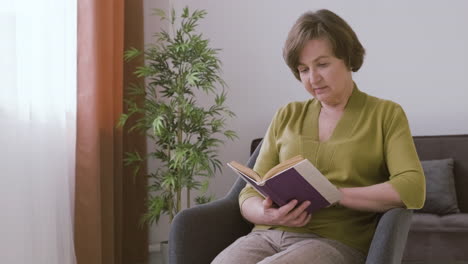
[322, 64]
[303, 70]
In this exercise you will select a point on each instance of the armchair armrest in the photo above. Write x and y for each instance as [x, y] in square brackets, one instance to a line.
[198, 234]
[390, 237]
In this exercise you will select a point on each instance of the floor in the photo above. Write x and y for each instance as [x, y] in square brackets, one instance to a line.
[155, 258]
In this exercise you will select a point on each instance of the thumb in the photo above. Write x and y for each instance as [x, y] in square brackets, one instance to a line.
[267, 203]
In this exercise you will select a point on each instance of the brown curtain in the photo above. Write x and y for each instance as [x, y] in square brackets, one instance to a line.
[107, 204]
[135, 235]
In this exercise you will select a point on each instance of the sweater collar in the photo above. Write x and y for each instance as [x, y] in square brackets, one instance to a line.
[346, 123]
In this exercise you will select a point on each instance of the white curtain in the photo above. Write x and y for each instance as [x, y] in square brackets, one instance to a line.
[37, 130]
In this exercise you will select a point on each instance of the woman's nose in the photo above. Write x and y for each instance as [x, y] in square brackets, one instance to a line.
[314, 77]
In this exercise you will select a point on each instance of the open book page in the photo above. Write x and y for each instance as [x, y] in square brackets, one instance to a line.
[261, 189]
[246, 171]
[283, 166]
[273, 171]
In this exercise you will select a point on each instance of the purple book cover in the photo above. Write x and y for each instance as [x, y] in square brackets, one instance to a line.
[291, 185]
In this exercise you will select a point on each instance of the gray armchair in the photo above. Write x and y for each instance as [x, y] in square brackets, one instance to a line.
[198, 234]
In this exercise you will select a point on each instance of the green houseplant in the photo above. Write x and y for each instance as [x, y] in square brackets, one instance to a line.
[185, 135]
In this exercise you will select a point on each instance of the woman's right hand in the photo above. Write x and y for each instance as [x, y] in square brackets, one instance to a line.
[262, 211]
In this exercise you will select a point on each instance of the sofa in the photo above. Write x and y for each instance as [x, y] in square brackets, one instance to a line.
[441, 238]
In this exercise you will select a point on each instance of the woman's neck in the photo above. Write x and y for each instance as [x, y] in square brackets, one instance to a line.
[341, 104]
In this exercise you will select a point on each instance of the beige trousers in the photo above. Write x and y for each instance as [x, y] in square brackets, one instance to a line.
[275, 247]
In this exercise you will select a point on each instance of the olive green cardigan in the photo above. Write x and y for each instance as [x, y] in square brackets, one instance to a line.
[371, 144]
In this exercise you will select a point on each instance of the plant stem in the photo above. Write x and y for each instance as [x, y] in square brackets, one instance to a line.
[170, 209]
[179, 198]
[171, 201]
[179, 125]
[188, 197]
[179, 141]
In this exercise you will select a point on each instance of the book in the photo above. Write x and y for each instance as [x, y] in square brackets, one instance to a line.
[296, 178]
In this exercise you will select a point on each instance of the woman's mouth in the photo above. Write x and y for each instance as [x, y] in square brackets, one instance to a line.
[320, 89]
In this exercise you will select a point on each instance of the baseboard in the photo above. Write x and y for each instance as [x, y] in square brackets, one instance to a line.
[156, 247]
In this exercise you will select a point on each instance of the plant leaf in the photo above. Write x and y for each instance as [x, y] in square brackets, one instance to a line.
[160, 13]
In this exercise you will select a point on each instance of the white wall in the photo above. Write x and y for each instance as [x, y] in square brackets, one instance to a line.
[417, 55]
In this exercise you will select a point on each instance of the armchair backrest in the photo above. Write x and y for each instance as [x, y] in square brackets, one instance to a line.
[239, 184]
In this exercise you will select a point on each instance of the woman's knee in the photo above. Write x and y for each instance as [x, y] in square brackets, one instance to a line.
[316, 250]
[251, 248]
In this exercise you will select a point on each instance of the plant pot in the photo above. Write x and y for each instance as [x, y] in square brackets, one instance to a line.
[165, 252]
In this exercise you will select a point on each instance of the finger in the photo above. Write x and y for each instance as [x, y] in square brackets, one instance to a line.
[299, 210]
[267, 203]
[299, 220]
[285, 209]
[303, 219]
[304, 205]
[286, 213]
[306, 220]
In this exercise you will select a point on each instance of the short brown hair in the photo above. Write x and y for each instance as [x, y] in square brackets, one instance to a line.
[323, 24]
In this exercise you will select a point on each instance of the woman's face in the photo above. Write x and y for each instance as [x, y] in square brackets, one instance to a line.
[323, 75]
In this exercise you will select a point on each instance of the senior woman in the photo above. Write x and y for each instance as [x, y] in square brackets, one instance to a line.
[361, 143]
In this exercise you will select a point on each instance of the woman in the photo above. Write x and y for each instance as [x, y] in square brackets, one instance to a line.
[362, 144]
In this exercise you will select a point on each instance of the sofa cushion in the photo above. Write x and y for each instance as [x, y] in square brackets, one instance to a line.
[441, 197]
[437, 239]
[437, 223]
